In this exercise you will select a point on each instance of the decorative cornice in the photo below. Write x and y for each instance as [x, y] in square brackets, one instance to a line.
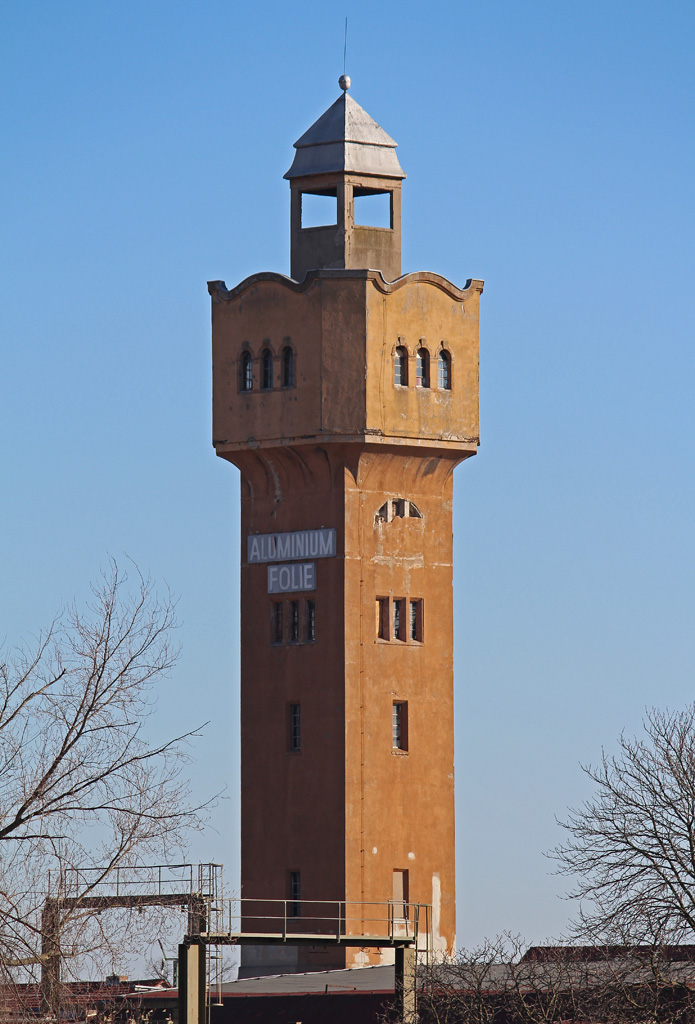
[365, 436]
[220, 293]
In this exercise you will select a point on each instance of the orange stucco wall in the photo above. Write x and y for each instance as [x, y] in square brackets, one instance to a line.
[400, 806]
[344, 327]
[348, 810]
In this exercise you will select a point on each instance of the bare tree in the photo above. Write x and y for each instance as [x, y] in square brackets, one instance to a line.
[631, 847]
[495, 983]
[501, 982]
[82, 788]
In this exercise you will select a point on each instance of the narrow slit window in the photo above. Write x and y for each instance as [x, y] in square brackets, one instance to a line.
[444, 364]
[278, 624]
[287, 367]
[416, 620]
[400, 369]
[267, 369]
[422, 368]
[399, 725]
[295, 887]
[311, 621]
[294, 621]
[295, 724]
[382, 618]
[398, 618]
[246, 371]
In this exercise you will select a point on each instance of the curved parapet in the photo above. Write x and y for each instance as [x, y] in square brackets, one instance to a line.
[376, 361]
[219, 291]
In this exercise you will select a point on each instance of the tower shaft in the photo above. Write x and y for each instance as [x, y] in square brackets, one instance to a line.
[346, 681]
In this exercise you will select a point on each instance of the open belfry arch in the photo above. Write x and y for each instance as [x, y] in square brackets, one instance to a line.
[346, 395]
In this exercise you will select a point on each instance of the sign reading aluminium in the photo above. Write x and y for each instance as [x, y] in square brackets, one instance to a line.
[287, 579]
[287, 547]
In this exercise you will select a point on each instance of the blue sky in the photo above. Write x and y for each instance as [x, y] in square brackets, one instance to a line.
[549, 150]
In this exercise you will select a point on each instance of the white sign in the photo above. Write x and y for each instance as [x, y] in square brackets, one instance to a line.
[286, 579]
[285, 547]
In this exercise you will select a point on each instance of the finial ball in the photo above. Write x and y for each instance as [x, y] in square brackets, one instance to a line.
[344, 82]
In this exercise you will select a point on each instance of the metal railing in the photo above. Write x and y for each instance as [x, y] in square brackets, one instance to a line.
[393, 921]
[204, 880]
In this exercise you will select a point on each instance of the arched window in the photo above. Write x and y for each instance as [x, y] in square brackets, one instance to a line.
[266, 369]
[444, 364]
[422, 368]
[287, 367]
[397, 508]
[400, 367]
[247, 372]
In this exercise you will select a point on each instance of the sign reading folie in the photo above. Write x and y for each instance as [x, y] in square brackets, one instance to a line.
[284, 579]
[286, 547]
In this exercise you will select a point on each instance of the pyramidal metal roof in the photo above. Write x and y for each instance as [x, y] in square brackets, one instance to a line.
[345, 138]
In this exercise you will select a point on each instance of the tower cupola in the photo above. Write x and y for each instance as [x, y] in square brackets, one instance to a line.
[345, 155]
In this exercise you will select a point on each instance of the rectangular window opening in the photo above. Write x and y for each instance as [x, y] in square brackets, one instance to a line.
[382, 618]
[416, 620]
[401, 894]
[399, 725]
[295, 727]
[294, 621]
[278, 624]
[295, 894]
[373, 209]
[311, 621]
[398, 619]
[318, 210]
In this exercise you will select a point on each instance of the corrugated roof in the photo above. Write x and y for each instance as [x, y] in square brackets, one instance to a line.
[345, 138]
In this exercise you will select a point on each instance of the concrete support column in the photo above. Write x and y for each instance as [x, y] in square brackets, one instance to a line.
[406, 998]
[50, 957]
[192, 983]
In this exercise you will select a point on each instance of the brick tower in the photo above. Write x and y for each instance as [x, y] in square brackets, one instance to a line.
[346, 395]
